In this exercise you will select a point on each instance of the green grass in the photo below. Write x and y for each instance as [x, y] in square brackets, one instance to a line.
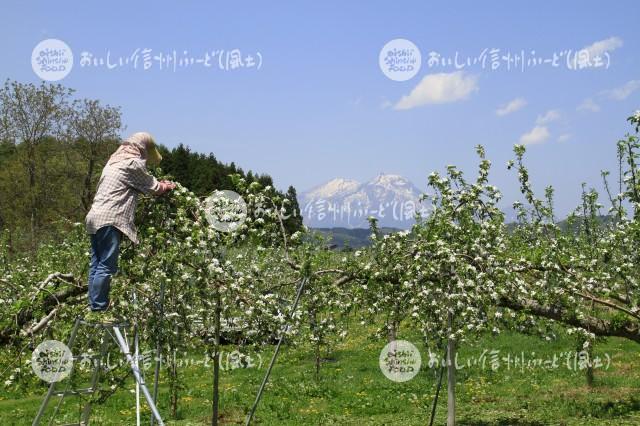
[351, 390]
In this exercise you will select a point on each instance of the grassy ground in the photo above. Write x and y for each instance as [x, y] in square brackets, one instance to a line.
[352, 390]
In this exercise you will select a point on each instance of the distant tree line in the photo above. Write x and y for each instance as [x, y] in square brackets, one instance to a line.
[203, 173]
[53, 147]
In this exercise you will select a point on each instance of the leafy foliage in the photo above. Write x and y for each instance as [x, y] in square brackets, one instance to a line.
[458, 274]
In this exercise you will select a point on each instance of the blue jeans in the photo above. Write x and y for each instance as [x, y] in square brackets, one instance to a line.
[105, 247]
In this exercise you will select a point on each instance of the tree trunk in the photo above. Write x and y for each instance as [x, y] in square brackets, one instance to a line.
[173, 386]
[451, 378]
[590, 377]
[159, 342]
[313, 323]
[216, 359]
[589, 353]
[317, 360]
[31, 168]
[86, 193]
[392, 330]
[10, 250]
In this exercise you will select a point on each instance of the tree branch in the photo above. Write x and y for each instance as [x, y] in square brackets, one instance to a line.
[600, 327]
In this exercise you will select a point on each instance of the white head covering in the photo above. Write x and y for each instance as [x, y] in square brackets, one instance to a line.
[138, 145]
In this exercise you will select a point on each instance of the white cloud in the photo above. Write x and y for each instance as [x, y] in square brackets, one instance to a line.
[606, 45]
[622, 92]
[438, 89]
[548, 117]
[617, 94]
[588, 105]
[511, 106]
[538, 134]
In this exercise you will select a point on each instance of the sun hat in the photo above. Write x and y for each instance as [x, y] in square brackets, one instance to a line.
[145, 139]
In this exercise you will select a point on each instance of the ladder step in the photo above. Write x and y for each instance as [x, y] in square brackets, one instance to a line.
[105, 324]
[75, 392]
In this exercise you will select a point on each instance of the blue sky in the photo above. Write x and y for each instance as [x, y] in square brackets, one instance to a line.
[320, 107]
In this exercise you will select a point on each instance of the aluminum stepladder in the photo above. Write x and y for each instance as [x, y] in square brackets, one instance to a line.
[132, 359]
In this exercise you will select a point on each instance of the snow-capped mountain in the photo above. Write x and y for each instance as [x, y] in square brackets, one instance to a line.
[392, 199]
[334, 188]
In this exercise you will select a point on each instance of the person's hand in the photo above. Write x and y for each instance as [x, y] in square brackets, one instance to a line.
[166, 186]
[170, 185]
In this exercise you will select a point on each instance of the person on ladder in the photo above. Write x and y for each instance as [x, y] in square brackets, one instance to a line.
[112, 214]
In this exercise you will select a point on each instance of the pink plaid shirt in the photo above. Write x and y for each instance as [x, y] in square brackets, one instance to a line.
[117, 196]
